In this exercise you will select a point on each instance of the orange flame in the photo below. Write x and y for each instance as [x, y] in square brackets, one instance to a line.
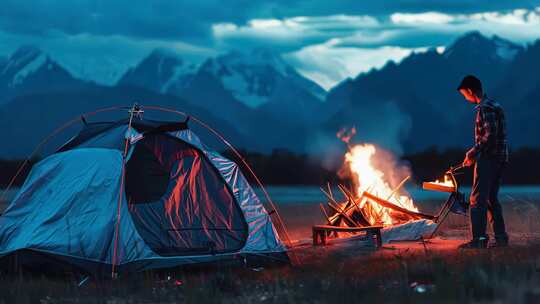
[447, 182]
[447, 185]
[360, 160]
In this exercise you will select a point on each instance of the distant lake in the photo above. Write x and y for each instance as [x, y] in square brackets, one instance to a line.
[313, 195]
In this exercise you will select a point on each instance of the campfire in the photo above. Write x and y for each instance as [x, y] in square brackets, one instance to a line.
[371, 184]
[376, 200]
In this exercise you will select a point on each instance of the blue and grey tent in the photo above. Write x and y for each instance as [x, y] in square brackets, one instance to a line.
[134, 195]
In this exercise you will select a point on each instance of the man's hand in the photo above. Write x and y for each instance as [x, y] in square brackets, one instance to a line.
[467, 162]
[469, 159]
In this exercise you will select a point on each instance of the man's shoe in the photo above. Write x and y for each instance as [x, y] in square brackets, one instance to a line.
[474, 244]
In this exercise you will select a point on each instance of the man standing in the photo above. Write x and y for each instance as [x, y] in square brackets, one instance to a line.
[489, 156]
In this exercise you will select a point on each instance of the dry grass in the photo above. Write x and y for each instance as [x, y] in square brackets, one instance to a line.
[508, 276]
[330, 275]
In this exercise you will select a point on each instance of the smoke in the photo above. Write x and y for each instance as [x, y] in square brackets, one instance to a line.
[394, 169]
[382, 124]
[378, 122]
[326, 149]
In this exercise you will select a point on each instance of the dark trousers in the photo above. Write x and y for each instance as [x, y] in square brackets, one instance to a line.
[484, 198]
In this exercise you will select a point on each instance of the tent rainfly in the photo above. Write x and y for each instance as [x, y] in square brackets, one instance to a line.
[134, 195]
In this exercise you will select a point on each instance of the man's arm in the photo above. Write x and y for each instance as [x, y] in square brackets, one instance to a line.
[487, 120]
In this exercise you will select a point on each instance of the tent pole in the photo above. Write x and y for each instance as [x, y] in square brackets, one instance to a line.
[135, 110]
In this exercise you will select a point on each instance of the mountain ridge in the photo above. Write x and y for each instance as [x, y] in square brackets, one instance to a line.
[407, 106]
[422, 88]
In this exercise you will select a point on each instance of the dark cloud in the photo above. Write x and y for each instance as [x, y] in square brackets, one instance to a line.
[192, 20]
[123, 31]
[286, 8]
[171, 19]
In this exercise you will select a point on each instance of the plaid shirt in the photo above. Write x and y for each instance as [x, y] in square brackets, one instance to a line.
[490, 131]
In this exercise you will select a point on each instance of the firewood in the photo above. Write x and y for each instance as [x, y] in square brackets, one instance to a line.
[357, 212]
[392, 206]
[347, 219]
[398, 187]
[328, 196]
[325, 214]
[438, 187]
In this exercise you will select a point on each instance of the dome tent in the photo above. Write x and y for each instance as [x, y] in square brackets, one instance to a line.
[133, 195]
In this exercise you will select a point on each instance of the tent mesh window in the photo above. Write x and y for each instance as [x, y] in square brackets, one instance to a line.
[179, 202]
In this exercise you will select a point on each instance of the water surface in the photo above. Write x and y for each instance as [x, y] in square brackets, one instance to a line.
[313, 195]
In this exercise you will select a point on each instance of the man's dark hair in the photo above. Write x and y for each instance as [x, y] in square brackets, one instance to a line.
[472, 83]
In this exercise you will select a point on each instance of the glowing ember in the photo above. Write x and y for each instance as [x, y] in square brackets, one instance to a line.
[346, 134]
[445, 186]
[447, 182]
[360, 160]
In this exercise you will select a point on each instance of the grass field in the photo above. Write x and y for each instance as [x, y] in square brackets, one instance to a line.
[412, 272]
[329, 275]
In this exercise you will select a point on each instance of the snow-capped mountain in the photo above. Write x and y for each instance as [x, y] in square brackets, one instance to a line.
[99, 68]
[30, 70]
[162, 71]
[25, 61]
[420, 93]
[256, 90]
[260, 99]
[254, 78]
[475, 45]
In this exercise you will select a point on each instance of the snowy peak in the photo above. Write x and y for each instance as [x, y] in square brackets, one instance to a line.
[30, 70]
[25, 61]
[247, 79]
[162, 70]
[467, 42]
[254, 77]
[162, 57]
[258, 58]
[474, 44]
[25, 54]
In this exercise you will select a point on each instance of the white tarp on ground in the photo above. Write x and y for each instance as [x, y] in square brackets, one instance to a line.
[410, 231]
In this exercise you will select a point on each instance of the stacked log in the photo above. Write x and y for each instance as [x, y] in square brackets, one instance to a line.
[360, 211]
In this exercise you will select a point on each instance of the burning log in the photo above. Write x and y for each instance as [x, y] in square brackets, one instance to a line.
[445, 186]
[387, 204]
[438, 187]
[396, 190]
[351, 214]
[357, 212]
[347, 218]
